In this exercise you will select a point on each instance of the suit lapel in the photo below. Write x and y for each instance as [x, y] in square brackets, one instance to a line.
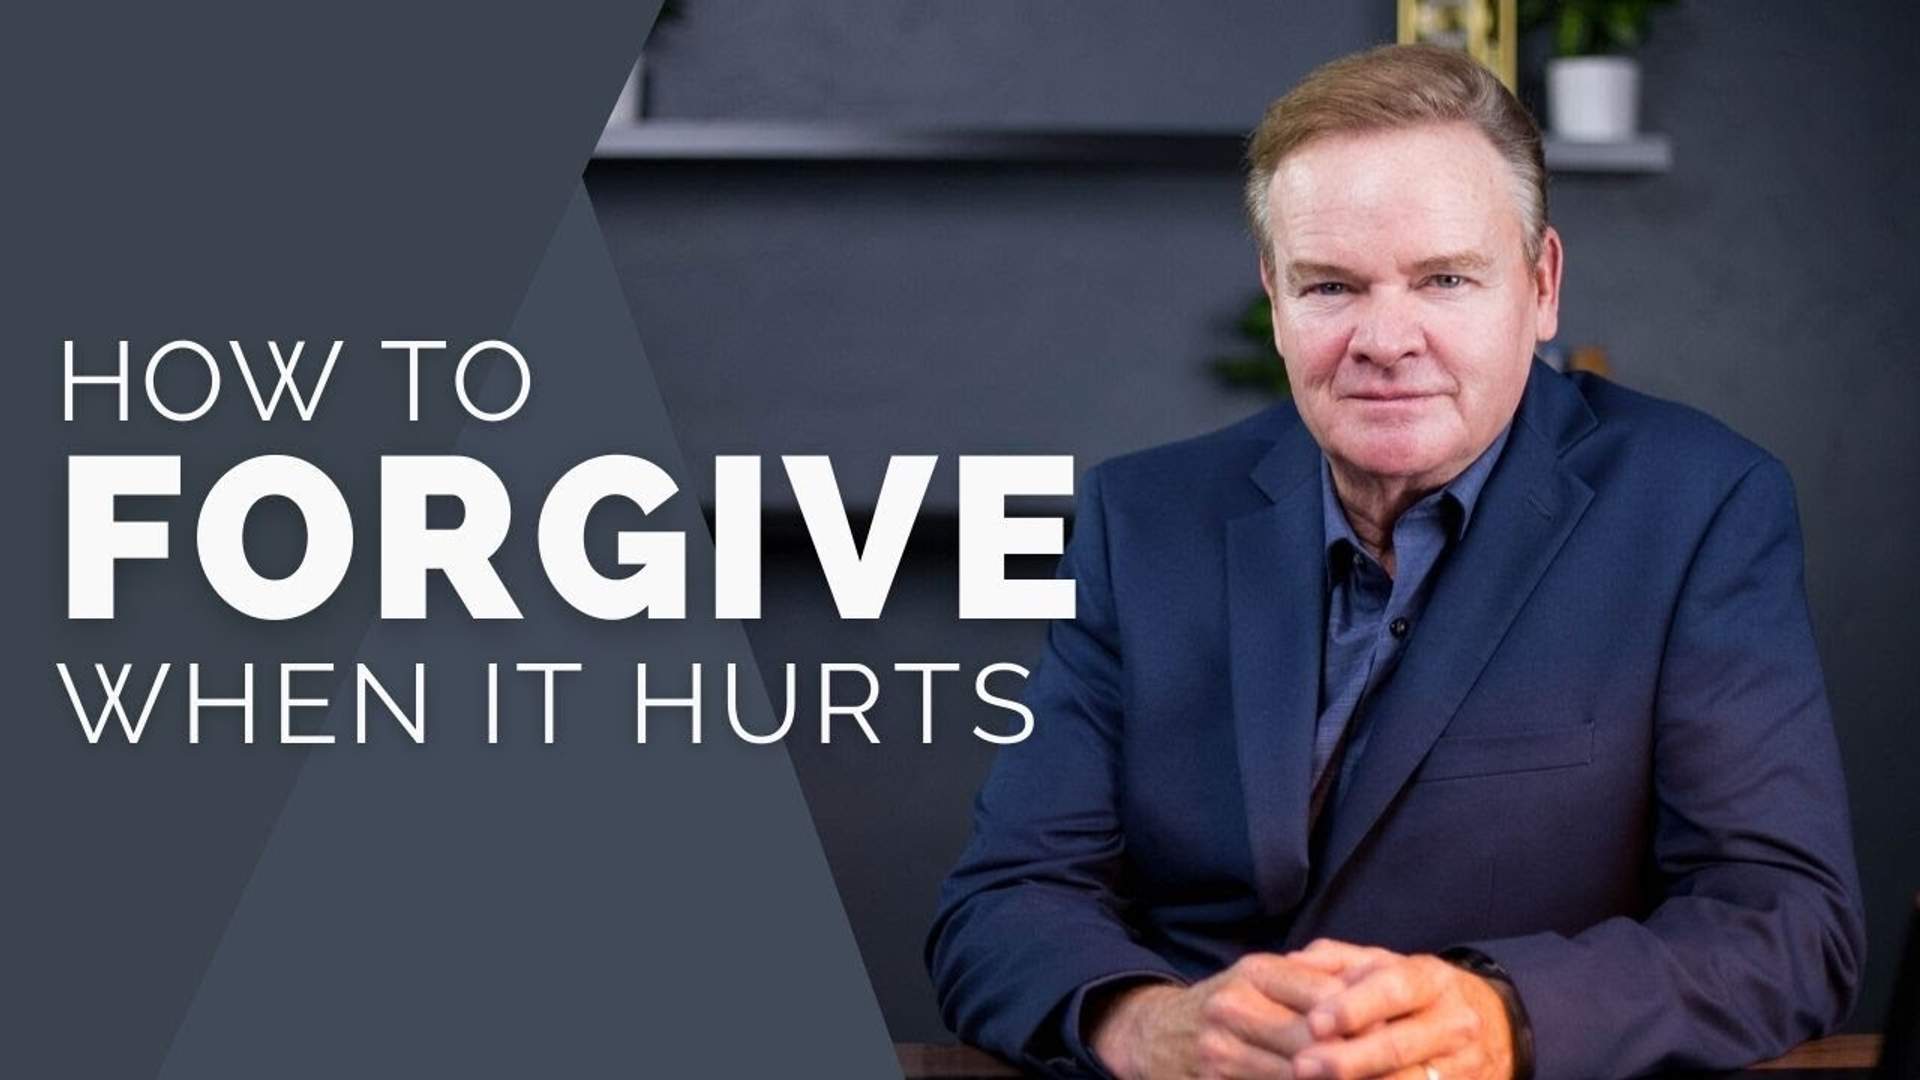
[1528, 508]
[1276, 616]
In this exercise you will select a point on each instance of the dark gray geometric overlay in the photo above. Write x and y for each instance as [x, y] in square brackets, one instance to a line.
[355, 171]
[523, 908]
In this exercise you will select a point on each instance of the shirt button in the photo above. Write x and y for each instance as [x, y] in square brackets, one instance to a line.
[1359, 560]
[1398, 627]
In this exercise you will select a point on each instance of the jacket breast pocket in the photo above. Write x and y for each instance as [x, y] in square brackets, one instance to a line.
[1456, 757]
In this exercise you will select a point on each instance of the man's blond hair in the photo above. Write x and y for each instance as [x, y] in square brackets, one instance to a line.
[1398, 86]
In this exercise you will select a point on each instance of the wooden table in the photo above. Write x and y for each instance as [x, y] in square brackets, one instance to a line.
[953, 1061]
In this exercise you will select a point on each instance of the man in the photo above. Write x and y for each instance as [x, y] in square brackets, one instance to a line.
[1457, 719]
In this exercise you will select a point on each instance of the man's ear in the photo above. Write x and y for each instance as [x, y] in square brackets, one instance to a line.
[1546, 287]
[1266, 275]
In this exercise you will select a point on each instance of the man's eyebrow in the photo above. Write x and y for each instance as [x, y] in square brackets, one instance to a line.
[1456, 262]
[1299, 273]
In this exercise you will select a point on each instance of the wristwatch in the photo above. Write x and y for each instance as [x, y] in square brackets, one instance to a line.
[1520, 1028]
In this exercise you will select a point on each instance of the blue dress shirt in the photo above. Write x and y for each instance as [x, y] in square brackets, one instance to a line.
[1371, 615]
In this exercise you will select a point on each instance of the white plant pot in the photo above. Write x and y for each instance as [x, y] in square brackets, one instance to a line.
[1593, 98]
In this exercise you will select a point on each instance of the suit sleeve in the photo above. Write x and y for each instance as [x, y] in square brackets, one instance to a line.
[1031, 913]
[1756, 943]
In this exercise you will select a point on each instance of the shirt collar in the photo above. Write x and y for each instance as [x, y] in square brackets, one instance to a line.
[1462, 493]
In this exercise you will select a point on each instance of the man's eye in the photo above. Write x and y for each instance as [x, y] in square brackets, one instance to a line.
[1447, 281]
[1327, 288]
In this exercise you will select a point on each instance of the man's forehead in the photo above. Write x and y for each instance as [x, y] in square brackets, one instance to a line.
[1383, 200]
[1421, 192]
[1416, 239]
[1337, 159]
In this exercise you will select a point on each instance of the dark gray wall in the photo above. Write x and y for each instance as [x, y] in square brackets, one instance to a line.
[1766, 280]
[875, 310]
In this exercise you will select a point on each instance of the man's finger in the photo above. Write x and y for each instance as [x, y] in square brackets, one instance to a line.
[1297, 986]
[1395, 1046]
[1249, 1016]
[1221, 1054]
[1339, 957]
[1384, 992]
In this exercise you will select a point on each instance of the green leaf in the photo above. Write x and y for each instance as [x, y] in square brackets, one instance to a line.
[1261, 368]
[1624, 21]
[1574, 32]
[1587, 27]
[1265, 373]
[1257, 321]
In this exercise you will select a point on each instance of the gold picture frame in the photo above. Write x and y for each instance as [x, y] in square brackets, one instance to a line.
[1484, 29]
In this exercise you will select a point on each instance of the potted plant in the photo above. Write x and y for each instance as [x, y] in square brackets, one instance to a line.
[1593, 92]
[1258, 366]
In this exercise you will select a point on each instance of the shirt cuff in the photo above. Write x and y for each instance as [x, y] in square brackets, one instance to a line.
[1075, 1039]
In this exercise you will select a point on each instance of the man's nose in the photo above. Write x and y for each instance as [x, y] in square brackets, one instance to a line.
[1389, 330]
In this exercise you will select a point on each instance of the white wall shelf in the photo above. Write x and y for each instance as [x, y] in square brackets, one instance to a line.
[698, 141]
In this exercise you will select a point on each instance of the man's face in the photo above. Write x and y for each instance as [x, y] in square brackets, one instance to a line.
[1403, 301]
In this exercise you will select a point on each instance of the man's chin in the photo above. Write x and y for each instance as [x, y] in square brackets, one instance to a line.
[1398, 456]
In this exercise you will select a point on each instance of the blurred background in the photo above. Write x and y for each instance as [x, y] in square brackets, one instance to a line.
[863, 227]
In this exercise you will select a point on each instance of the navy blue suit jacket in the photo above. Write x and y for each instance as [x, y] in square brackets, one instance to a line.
[1605, 758]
